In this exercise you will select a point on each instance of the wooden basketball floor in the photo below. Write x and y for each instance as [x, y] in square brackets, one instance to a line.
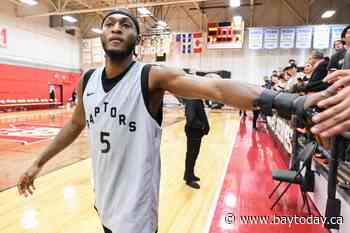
[63, 201]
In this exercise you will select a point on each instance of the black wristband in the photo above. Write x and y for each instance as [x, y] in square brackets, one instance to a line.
[286, 104]
[265, 101]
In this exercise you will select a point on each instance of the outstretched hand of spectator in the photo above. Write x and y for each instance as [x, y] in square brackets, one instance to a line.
[335, 119]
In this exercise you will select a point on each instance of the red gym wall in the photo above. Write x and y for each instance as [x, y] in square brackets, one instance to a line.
[20, 82]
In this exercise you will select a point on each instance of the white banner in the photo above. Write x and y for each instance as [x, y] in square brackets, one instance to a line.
[256, 38]
[303, 37]
[321, 36]
[271, 38]
[287, 38]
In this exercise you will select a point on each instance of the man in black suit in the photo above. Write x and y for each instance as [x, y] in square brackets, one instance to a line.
[196, 127]
[319, 63]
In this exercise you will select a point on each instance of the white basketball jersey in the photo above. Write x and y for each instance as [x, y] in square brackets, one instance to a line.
[125, 152]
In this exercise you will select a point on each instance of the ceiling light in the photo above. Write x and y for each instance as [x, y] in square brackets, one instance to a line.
[29, 2]
[235, 3]
[237, 19]
[328, 14]
[143, 11]
[69, 19]
[97, 30]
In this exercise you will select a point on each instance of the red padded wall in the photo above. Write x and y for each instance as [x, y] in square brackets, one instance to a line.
[20, 82]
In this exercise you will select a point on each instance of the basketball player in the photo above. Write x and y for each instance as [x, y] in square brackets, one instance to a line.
[122, 109]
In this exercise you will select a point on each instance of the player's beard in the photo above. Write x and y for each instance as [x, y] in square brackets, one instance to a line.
[115, 55]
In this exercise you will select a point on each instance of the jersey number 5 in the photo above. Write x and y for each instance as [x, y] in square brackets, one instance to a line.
[104, 140]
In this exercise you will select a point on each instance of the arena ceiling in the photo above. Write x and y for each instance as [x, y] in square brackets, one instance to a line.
[254, 12]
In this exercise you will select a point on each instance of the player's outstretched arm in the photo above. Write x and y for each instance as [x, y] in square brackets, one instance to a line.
[240, 95]
[232, 93]
[65, 137]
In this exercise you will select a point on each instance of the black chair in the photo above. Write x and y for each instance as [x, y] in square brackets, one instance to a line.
[305, 182]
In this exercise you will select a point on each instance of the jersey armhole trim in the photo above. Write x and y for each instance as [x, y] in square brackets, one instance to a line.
[87, 76]
[145, 94]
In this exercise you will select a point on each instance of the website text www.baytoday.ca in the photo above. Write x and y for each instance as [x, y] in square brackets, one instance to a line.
[230, 218]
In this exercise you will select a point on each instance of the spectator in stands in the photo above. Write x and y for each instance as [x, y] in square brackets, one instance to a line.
[292, 62]
[274, 80]
[292, 73]
[339, 104]
[282, 83]
[301, 83]
[336, 107]
[338, 45]
[267, 82]
[308, 69]
[347, 60]
[345, 35]
[303, 79]
[337, 59]
[319, 63]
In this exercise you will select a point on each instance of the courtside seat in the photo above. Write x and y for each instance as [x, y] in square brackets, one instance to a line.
[25, 104]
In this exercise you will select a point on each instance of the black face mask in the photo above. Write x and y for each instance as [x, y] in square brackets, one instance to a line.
[120, 55]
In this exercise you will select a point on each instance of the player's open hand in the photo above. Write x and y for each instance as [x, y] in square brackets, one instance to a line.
[25, 183]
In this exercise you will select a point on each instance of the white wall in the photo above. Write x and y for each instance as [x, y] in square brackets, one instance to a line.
[249, 66]
[32, 42]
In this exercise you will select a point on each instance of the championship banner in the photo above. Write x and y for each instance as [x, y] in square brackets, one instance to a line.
[271, 38]
[303, 37]
[321, 37]
[197, 42]
[287, 38]
[256, 38]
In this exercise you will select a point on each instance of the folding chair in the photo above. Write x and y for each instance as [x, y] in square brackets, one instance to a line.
[306, 182]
